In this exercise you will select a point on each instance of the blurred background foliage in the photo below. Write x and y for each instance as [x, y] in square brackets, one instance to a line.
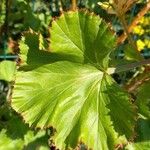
[22, 15]
[18, 16]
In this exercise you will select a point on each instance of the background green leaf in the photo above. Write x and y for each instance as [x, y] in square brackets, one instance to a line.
[7, 70]
[143, 100]
[142, 141]
[15, 134]
[8, 143]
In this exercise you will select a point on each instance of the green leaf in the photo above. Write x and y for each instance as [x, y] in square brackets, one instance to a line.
[72, 92]
[31, 140]
[142, 142]
[139, 146]
[33, 55]
[30, 53]
[77, 42]
[19, 135]
[84, 36]
[107, 6]
[7, 70]
[7, 143]
[143, 100]
[143, 103]
[143, 128]
[75, 99]
[130, 53]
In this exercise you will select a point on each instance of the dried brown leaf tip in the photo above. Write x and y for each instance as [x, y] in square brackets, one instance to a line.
[118, 7]
[122, 6]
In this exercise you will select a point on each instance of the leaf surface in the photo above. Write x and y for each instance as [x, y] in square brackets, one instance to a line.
[84, 36]
[143, 100]
[76, 100]
[142, 141]
[71, 91]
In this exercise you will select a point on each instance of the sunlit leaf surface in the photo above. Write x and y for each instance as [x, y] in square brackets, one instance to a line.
[73, 93]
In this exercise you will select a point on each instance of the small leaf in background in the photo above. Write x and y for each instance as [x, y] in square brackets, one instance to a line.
[117, 6]
[30, 141]
[143, 101]
[30, 136]
[18, 134]
[7, 143]
[7, 70]
[107, 6]
[139, 146]
[130, 53]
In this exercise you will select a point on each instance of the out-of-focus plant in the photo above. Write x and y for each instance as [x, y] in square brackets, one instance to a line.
[118, 7]
[24, 15]
[14, 133]
[2, 10]
[142, 31]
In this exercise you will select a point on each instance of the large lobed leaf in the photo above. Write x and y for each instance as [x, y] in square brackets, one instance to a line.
[75, 95]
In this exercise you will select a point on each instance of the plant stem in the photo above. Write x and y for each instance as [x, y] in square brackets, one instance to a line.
[132, 86]
[6, 18]
[74, 5]
[138, 17]
[127, 67]
[123, 21]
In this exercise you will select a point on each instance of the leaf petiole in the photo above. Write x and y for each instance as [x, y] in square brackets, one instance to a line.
[127, 67]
